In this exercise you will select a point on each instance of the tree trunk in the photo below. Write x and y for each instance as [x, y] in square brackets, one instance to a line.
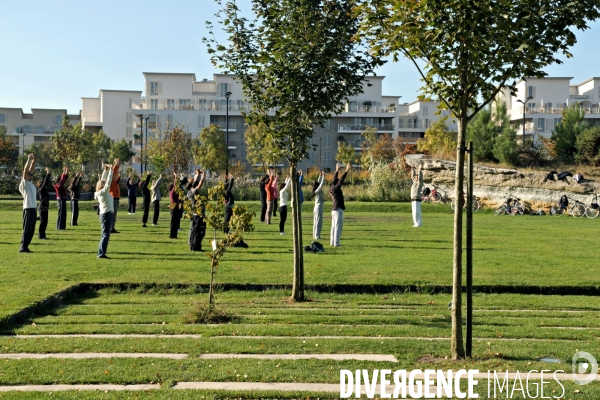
[298, 284]
[457, 347]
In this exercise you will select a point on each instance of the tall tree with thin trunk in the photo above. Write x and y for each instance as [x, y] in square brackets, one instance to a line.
[466, 52]
[298, 62]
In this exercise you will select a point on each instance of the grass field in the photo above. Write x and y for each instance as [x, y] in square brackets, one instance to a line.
[358, 300]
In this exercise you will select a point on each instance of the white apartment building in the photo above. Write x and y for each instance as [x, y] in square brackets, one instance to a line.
[35, 127]
[416, 117]
[540, 102]
[179, 98]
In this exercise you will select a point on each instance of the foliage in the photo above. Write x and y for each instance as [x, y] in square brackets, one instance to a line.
[531, 151]
[383, 149]
[212, 210]
[438, 141]
[261, 149]
[588, 146]
[369, 139]
[9, 150]
[210, 149]
[203, 314]
[566, 132]
[121, 150]
[466, 58]
[297, 62]
[43, 155]
[171, 152]
[385, 184]
[74, 146]
[482, 132]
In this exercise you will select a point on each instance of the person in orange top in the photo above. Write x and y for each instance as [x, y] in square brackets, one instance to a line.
[270, 191]
[115, 190]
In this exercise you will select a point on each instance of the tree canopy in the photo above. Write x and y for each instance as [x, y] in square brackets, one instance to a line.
[210, 149]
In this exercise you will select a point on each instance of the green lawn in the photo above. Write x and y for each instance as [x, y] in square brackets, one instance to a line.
[381, 255]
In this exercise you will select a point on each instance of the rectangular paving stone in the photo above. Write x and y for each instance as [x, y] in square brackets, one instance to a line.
[360, 357]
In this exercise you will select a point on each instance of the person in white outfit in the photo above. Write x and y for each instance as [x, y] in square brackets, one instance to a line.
[284, 193]
[29, 192]
[319, 200]
[415, 195]
[106, 209]
[338, 207]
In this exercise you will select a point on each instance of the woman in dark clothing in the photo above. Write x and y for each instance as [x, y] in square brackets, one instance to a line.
[146, 195]
[229, 203]
[61, 200]
[44, 203]
[197, 224]
[132, 194]
[175, 212]
[75, 191]
[263, 196]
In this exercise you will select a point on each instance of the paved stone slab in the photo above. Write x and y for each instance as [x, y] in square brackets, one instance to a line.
[361, 357]
[382, 338]
[79, 356]
[106, 336]
[62, 388]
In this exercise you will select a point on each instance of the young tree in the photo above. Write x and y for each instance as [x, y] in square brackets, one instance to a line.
[171, 151]
[466, 52]
[369, 139]
[566, 132]
[9, 149]
[122, 151]
[438, 140]
[588, 146]
[261, 148]
[505, 142]
[383, 150]
[68, 143]
[298, 62]
[346, 154]
[210, 150]
[43, 155]
[482, 132]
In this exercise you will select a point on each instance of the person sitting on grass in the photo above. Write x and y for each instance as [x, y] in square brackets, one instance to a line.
[28, 190]
[106, 208]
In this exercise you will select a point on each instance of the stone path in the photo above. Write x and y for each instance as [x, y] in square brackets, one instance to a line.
[339, 357]
[81, 356]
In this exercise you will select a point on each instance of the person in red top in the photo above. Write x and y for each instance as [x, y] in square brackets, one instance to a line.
[61, 199]
[269, 189]
[115, 191]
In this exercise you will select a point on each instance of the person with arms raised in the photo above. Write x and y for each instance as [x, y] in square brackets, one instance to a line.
[106, 207]
[44, 203]
[338, 207]
[61, 199]
[28, 190]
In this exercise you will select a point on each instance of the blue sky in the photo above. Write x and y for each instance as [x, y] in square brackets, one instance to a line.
[57, 51]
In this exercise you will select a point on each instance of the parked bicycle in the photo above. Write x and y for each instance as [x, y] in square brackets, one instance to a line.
[511, 206]
[432, 195]
[577, 209]
[475, 206]
[592, 210]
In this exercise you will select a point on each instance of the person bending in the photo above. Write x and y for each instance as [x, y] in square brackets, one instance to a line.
[337, 209]
[28, 190]
[44, 203]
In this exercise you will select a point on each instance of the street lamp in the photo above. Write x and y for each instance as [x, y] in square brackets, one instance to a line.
[141, 117]
[524, 107]
[146, 158]
[227, 94]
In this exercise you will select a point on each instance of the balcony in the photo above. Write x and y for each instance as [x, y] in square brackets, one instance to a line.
[36, 130]
[193, 105]
[355, 108]
[222, 125]
[362, 127]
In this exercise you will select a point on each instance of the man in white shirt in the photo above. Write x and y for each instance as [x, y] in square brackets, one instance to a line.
[28, 190]
[106, 209]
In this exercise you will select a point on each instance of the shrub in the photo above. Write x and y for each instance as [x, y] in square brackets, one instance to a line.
[387, 185]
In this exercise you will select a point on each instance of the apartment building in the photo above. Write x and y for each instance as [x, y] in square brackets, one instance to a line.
[416, 117]
[539, 102]
[35, 127]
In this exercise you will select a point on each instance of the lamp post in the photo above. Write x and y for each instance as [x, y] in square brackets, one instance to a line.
[524, 108]
[146, 158]
[227, 94]
[320, 152]
[141, 117]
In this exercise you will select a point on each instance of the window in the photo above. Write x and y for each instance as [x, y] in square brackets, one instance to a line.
[240, 104]
[151, 123]
[170, 104]
[58, 119]
[202, 104]
[185, 104]
[557, 121]
[154, 104]
[223, 88]
[201, 121]
[400, 123]
[38, 139]
[169, 119]
[128, 132]
[541, 124]
[548, 107]
[425, 111]
[243, 155]
[530, 107]
[327, 125]
[153, 88]
[530, 91]
[358, 121]
[326, 158]
[130, 103]
[2, 118]
[327, 141]
[369, 121]
[128, 117]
